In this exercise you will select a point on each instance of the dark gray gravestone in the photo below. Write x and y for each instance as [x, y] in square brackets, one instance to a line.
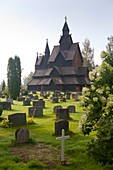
[63, 99]
[35, 111]
[71, 108]
[68, 96]
[17, 119]
[20, 98]
[35, 97]
[30, 95]
[40, 103]
[26, 103]
[6, 105]
[9, 100]
[61, 124]
[22, 135]
[56, 108]
[55, 99]
[62, 114]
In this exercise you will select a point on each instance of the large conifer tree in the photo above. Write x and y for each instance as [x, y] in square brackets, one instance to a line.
[14, 77]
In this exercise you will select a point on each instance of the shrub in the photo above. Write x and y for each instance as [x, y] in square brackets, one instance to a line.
[34, 164]
[1, 110]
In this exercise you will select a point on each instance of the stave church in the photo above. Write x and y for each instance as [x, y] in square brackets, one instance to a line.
[62, 69]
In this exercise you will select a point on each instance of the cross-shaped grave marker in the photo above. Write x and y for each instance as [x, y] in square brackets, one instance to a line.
[62, 138]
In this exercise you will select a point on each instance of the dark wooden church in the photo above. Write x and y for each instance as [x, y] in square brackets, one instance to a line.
[62, 70]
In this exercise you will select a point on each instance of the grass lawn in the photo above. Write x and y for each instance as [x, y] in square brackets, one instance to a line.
[43, 151]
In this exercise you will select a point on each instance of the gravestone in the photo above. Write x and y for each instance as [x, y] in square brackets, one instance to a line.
[62, 114]
[35, 97]
[54, 99]
[40, 103]
[62, 138]
[56, 108]
[68, 96]
[17, 119]
[6, 105]
[20, 98]
[63, 99]
[35, 111]
[22, 135]
[71, 108]
[61, 124]
[30, 96]
[27, 101]
[9, 100]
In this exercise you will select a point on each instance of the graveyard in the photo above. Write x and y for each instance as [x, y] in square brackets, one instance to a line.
[34, 141]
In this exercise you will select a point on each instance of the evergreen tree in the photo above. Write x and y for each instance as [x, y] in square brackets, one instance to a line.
[88, 55]
[14, 77]
[3, 85]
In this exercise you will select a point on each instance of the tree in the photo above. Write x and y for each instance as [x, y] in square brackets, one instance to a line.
[88, 55]
[109, 46]
[27, 79]
[98, 102]
[3, 85]
[14, 77]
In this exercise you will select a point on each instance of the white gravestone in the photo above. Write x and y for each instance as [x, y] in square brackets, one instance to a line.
[62, 138]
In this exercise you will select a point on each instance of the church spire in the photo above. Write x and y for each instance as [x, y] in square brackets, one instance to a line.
[65, 27]
[47, 51]
[66, 39]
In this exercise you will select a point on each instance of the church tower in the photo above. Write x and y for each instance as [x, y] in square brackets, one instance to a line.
[66, 39]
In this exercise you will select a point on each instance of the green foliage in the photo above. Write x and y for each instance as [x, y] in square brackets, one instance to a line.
[6, 123]
[3, 85]
[101, 148]
[98, 101]
[34, 164]
[14, 77]
[88, 55]
[1, 110]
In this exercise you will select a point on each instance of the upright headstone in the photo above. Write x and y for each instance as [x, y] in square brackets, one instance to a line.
[68, 96]
[62, 114]
[9, 100]
[71, 108]
[35, 111]
[35, 97]
[56, 108]
[22, 135]
[40, 103]
[6, 105]
[27, 101]
[61, 124]
[17, 119]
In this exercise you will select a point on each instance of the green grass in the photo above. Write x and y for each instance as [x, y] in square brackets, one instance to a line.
[43, 131]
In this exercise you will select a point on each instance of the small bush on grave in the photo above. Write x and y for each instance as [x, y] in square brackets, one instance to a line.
[35, 164]
[1, 110]
[6, 123]
[30, 120]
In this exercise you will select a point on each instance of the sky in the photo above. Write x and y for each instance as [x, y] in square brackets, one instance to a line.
[26, 24]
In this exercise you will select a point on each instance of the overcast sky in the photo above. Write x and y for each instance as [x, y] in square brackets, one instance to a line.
[26, 24]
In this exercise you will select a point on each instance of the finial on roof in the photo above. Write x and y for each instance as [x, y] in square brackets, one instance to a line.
[46, 40]
[65, 19]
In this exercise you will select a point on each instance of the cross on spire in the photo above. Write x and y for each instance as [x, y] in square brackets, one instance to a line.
[65, 19]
